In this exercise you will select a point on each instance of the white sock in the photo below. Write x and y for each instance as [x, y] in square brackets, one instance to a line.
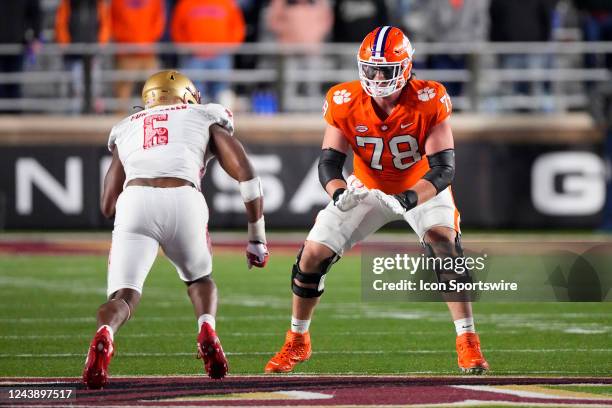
[110, 330]
[465, 326]
[206, 318]
[299, 326]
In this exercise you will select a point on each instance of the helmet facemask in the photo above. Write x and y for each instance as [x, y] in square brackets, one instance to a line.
[382, 79]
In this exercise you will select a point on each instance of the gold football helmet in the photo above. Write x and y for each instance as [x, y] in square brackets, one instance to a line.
[165, 87]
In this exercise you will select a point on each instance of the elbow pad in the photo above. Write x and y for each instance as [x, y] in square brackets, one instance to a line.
[331, 163]
[441, 169]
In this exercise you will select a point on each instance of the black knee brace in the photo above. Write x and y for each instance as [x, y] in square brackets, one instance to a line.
[317, 278]
[443, 251]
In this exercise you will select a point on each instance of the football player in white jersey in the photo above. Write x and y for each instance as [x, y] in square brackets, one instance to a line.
[152, 188]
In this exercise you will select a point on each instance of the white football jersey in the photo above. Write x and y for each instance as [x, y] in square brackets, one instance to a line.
[168, 140]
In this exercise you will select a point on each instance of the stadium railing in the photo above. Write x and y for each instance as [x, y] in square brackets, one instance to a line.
[547, 77]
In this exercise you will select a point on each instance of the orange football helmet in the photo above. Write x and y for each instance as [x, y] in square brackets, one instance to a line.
[385, 61]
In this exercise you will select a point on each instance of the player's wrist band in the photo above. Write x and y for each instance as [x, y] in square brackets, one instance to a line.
[337, 194]
[257, 230]
[408, 199]
[251, 189]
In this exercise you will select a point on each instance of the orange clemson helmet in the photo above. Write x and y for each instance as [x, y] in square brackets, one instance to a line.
[385, 61]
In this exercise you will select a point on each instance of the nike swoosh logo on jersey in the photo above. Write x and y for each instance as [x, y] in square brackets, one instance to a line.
[404, 126]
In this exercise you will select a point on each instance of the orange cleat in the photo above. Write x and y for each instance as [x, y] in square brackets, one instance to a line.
[469, 356]
[210, 350]
[296, 349]
[95, 374]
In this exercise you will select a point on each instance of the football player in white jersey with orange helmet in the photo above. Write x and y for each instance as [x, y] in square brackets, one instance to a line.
[152, 188]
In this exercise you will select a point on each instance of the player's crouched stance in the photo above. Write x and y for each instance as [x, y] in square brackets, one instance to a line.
[392, 122]
[159, 156]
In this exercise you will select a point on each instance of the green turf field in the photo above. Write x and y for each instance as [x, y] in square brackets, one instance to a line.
[48, 306]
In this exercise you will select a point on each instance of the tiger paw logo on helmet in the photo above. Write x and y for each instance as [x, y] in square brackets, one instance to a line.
[426, 94]
[341, 97]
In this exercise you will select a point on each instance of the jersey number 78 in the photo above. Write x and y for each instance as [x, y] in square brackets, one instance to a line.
[401, 159]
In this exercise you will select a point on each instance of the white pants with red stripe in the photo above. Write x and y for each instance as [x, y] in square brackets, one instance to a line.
[175, 219]
[340, 231]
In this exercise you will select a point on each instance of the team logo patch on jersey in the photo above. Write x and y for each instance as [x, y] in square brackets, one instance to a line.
[361, 128]
[426, 94]
[342, 96]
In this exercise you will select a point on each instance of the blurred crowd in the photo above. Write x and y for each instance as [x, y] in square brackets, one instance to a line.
[312, 22]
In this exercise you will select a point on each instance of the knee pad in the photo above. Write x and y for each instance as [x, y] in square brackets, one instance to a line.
[317, 278]
[443, 251]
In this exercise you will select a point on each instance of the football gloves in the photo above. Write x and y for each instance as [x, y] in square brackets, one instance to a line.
[347, 199]
[257, 254]
[400, 203]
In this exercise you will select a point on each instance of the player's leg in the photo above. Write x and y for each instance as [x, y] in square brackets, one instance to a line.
[130, 260]
[118, 309]
[131, 257]
[188, 248]
[308, 274]
[437, 224]
[333, 233]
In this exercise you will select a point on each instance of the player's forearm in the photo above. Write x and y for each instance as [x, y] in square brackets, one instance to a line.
[425, 191]
[334, 185]
[254, 209]
[331, 163]
[251, 192]
[440, 175]
[108, 201]
[113, 186]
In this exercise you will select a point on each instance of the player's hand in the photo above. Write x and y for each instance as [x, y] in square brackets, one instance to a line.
[389, 201]
[354, 193]
[257, 254]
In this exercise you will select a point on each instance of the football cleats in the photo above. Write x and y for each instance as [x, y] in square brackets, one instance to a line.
[385, 61]
[164, 87]
[211, 352]
[101, 350]
[469, 355]
[297, 349]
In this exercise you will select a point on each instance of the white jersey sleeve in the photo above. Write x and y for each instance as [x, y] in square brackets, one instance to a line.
[112, 138]
[219, 114]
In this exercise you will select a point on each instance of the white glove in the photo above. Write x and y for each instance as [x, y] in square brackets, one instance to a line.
[354, 193]
[389, 201]
[257, 254]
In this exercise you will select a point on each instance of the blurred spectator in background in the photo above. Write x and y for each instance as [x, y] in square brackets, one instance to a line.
[83, 22]
[214, 22]
[305, 22]
[523, 21]
[596, 26]
[136, 21]
[169, 59]
[19, 24]
[252, 11]
[450, 21]
[354, 19]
